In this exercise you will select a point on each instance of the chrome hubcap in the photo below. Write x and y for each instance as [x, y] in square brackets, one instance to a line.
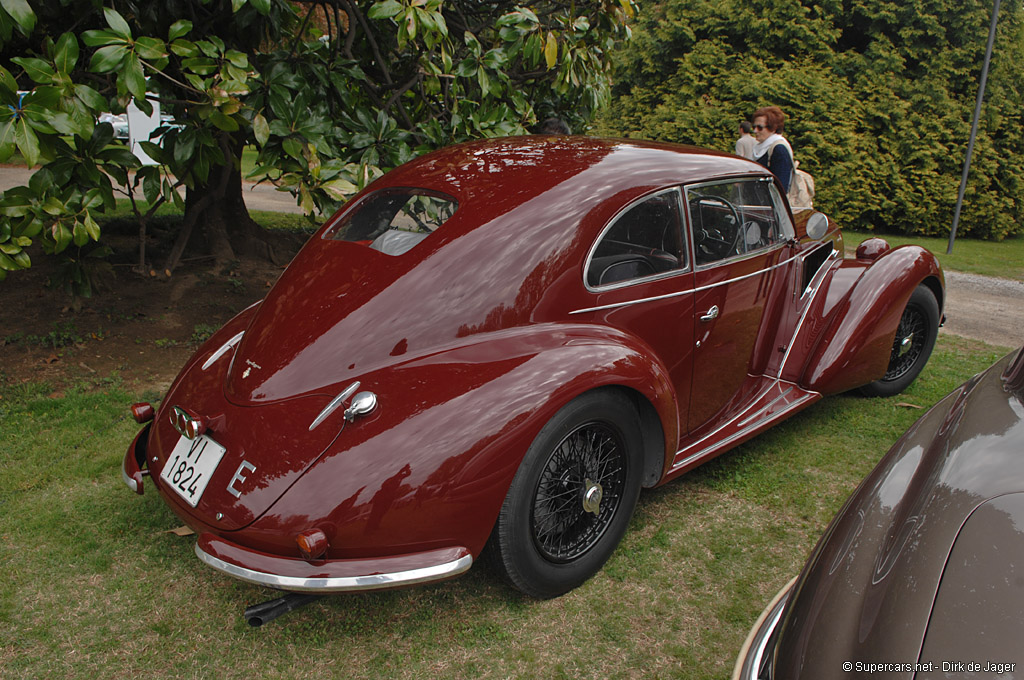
[592, 498]
[906, 344]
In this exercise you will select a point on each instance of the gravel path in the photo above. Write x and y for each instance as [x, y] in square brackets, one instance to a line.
[984, 308]
[256, 196]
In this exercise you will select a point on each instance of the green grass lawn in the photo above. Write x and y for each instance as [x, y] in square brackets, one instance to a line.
[1004, 259]
[96, 587]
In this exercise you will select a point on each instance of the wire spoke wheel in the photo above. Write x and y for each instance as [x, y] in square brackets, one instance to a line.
[579, 492]
[915, 338]
[911, 338]
[572, 496]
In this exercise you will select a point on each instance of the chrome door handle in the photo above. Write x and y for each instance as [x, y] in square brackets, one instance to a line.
[711, 315]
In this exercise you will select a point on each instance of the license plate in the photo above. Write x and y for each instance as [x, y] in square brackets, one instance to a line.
[191, 465]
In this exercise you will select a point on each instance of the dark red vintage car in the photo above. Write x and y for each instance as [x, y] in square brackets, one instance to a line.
[499, 344]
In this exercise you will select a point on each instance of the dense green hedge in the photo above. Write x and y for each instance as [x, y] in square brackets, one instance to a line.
[879, 97]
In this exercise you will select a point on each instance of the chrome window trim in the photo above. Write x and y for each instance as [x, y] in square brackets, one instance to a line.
[742, 256]
[781, 211]
[692, 244]
[686, 268]
[339, 583]
[656, 298]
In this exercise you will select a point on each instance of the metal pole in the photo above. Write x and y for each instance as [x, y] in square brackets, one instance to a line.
[974, 126]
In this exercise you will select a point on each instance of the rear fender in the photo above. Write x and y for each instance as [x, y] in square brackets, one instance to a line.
[854, 347]
[432, 465]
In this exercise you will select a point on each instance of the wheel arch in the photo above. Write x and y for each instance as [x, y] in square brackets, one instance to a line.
[936, 285]
[652, 432]
[854, 348]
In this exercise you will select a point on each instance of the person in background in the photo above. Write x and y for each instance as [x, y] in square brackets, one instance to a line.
[553, 126]
[772, 150]
[745, 144]
[801, 194]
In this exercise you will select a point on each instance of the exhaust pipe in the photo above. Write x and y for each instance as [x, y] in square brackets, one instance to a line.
[258, 614]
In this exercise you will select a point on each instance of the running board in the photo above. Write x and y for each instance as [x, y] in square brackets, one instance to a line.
[777, 401]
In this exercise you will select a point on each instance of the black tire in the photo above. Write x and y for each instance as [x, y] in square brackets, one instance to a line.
[915, 339]
[572, 497]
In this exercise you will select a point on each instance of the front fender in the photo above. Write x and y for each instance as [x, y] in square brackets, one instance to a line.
[854, 348]
[431, 466]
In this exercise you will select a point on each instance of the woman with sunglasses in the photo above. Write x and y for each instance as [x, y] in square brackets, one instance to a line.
[772, 150]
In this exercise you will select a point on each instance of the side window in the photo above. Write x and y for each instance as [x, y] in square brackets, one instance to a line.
[645, 240]
[393, 221]
[733, 218]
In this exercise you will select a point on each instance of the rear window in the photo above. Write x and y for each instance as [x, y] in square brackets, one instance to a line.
[394, 221]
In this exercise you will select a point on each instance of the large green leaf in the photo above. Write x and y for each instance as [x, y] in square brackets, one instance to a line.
[133, 77]
[117, 23]
[37, 69]
[27, 141]
[109, 58]
[385, 10]
[22, 13]
[178, 29]
[8, 140]
[260, 129]
[150, 49]
[65, 55]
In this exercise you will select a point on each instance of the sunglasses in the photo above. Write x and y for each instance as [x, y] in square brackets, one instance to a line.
[759, 127]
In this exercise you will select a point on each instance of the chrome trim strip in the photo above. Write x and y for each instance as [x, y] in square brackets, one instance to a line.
[803, 315]
[766, 407]
[335, 403]
[694, 456]
[223, 349]
[760, 634]
[819, 275]
[742, 257]
[340, 583]
[769, 629]
[684, 292]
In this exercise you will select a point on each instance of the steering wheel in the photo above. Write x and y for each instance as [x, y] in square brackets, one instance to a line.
[723, 245]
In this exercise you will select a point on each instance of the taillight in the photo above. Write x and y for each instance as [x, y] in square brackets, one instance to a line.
[143, 412]
[312, 544]
[186, 423]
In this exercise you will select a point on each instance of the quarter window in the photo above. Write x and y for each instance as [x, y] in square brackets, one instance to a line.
[734, 218]
[642, 242]
[393, 221]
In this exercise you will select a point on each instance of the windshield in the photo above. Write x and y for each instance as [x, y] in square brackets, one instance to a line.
[393, 221]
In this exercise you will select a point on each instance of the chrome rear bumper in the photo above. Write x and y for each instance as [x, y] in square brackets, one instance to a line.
[331, 576]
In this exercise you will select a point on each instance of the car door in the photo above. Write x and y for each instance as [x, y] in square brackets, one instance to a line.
[641, 275]
[738, 230]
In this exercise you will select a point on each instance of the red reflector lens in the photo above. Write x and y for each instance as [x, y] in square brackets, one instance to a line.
[312, 544]
[143, 412]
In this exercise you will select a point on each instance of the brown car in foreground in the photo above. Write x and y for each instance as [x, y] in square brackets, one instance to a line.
[921, 574]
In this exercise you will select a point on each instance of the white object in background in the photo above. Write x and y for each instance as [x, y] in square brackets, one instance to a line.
[140, 126]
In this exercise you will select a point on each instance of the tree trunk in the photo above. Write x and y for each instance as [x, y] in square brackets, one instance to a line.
[218, 207]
